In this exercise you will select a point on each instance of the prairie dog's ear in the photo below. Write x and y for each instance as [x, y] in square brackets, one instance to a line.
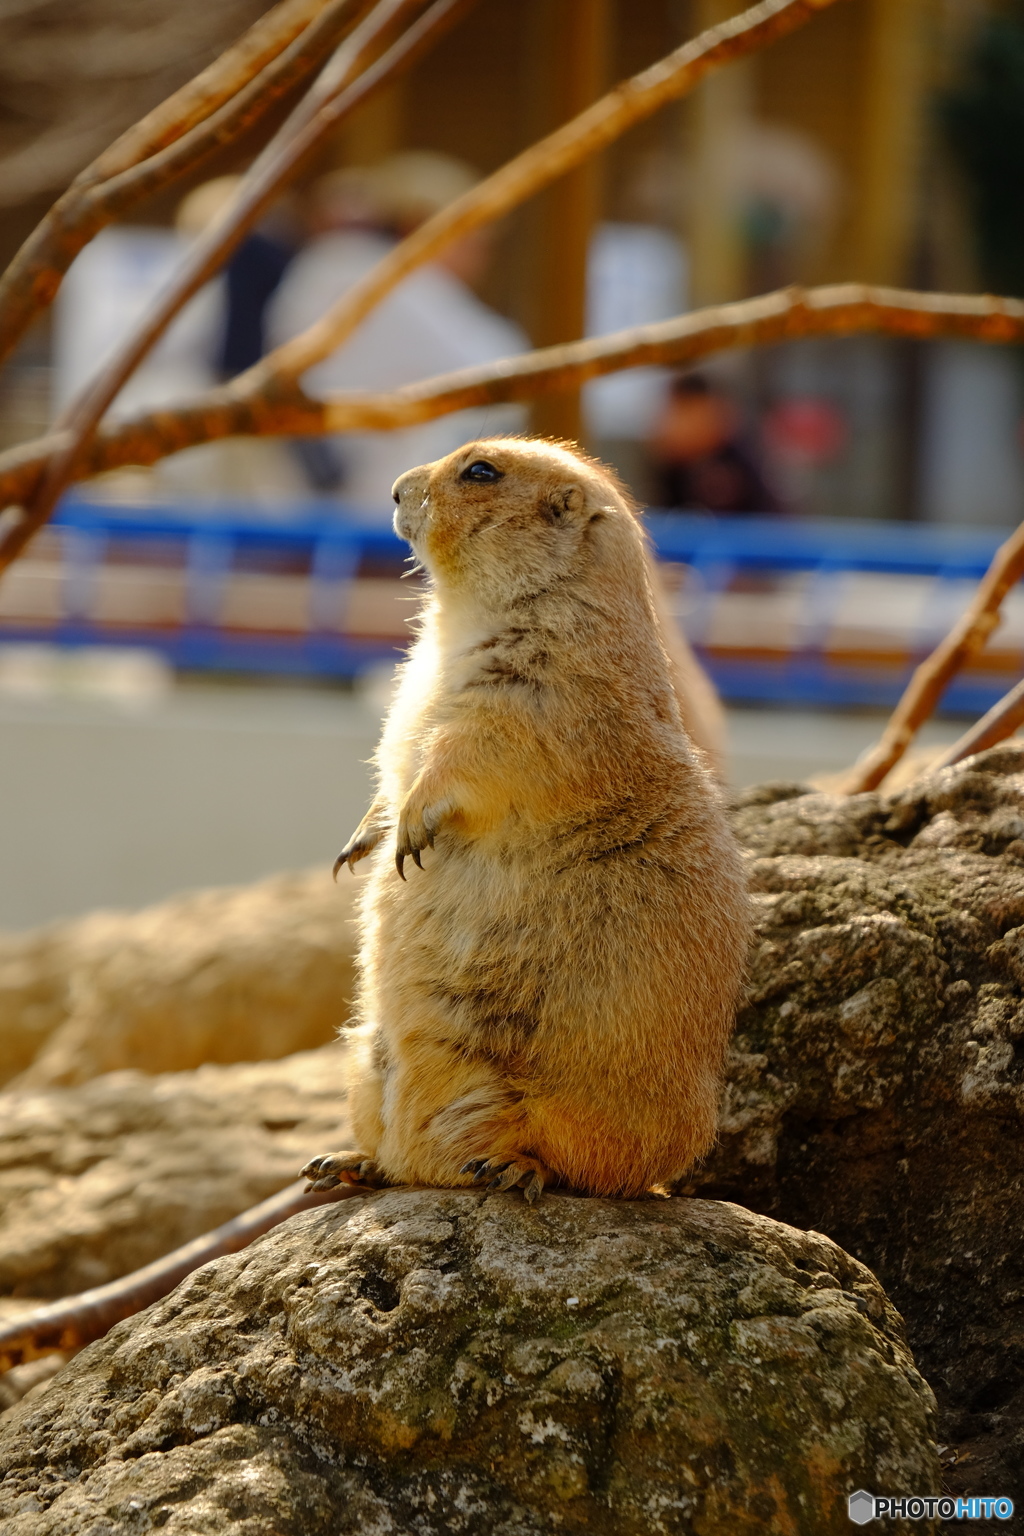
[563, 502]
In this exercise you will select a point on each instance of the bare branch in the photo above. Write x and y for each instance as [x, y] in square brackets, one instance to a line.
[235, 116]
[841, 309]
[922, 694]
[278, 407]
[218, 104]
[199, 98]
[73, 1321]
[347, 81]
[544, 162]
[1001, 721]
[541, 164]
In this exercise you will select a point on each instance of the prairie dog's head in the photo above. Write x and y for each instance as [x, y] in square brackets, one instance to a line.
[506, 518]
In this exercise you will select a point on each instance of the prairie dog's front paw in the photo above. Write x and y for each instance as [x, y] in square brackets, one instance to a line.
[420, 818]
[364, 840]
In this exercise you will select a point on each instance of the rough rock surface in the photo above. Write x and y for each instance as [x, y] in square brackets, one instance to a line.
[877, 1084]
[447, 1362]
[240, 974]
[99, 1180]
[876, 1092]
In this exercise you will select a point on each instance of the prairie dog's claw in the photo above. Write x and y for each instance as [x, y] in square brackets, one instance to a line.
[407, 849]
[523, 1173]
[533, 1189]
[362, 842]
[417, 829]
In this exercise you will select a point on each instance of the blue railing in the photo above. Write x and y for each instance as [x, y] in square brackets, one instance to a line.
[207, 544]
[718, 549]
[207, 547]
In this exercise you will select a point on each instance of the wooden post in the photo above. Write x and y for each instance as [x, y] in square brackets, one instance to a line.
[718, 266]
[376, 130]
[896, 77]
[568, 43]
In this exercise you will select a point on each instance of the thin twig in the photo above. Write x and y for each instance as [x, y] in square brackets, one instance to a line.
[350, 79]
[219, 104]
[278, 408]
[73, 1321]
[1000, 721]
[968, 636]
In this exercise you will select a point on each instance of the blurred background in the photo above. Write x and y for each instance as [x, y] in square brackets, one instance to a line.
[194, 659]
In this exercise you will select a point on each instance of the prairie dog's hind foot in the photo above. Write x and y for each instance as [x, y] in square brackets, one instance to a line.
[524, 1173]
[334, 1168]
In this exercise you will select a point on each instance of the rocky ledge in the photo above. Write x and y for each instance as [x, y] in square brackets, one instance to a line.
[450, 1362]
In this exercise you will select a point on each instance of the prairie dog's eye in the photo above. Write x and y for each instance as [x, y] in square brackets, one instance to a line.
[481, 472]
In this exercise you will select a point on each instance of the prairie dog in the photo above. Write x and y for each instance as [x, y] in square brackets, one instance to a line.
[548, 996]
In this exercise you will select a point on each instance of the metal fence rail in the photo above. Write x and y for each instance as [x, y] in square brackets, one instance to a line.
[818, 613]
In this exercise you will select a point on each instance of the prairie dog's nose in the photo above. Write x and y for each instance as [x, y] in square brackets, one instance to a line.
[410, 496]
[410, 482]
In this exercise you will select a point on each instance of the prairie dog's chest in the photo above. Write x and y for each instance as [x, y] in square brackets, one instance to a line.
[454, 684]
[471, 898]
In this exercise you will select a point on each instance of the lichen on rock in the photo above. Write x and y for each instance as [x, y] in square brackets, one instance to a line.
[450, 1362]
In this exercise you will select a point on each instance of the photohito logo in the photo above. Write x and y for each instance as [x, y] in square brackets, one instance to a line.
[870, 1506]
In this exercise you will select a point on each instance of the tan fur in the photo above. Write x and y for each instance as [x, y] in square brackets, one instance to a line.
[699, 704]
[548, 997]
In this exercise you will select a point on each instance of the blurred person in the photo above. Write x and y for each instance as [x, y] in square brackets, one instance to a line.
[787, 193]
[108, 287]
[251, 275]
[106, 291]
[431, 323]
[700, 456]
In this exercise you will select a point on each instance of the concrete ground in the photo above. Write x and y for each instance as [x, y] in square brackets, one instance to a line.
[120, 796]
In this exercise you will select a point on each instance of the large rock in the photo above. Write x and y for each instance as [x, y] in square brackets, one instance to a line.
[875, 1092]
[99, 1180]
[240, 974]
[457, 1363]
[877, 1085]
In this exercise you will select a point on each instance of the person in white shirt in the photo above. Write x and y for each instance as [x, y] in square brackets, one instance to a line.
[431, 323]
[108, 288]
